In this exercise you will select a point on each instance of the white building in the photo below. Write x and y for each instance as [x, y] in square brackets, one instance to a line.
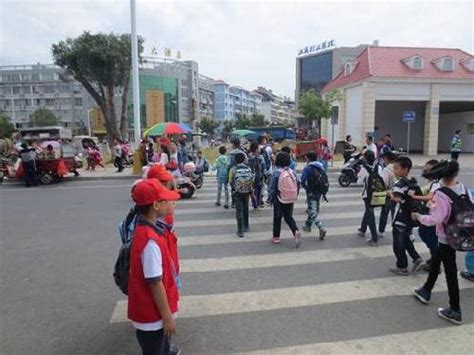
[384, 84]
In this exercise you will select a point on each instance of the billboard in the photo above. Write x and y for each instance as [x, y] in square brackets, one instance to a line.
[155, 107]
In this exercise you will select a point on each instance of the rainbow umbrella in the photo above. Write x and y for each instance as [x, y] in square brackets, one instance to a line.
[166, 128]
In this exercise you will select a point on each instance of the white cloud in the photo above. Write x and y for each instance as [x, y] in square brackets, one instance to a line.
[248, 43]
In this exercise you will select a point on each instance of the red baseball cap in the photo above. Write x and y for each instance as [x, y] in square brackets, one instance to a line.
[148, 191]
[159, 172]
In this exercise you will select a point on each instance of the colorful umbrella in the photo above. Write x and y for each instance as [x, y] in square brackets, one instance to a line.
[166, 128]
[242, 132]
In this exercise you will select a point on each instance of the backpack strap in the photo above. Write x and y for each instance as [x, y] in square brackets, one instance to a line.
[158, 229]
[450, 193]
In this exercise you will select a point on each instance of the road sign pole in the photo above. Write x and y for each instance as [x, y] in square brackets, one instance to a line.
[135, 78]
[408, 137]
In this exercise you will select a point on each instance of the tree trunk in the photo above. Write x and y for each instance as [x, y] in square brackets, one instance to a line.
[110, 117]
[124, 111]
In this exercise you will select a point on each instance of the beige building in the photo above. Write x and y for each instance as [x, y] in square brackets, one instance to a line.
[435, 86]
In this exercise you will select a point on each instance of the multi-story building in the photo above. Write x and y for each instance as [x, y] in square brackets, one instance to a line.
[187, 74]
[276, 109]
[206, 97]
[232, 100]
[25, 88]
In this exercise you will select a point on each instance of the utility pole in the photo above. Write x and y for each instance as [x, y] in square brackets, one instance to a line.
[135, 77]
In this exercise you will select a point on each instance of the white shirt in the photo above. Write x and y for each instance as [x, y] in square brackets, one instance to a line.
[152, 264]
[373, 148]
[388, 176]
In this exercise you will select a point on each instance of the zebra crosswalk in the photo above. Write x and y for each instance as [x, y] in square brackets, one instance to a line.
[336, 296]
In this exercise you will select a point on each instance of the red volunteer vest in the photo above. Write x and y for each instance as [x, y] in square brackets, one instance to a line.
[141, 305]
[172, 239]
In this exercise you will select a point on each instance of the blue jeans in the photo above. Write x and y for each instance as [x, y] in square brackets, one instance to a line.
[241, 212]
[388, 207]
[369, 220]
[221, 185]
[470, 262]
[429, 237]
[257, 194]
[313, 212]
[402, 244]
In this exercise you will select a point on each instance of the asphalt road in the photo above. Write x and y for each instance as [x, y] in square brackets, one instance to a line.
[59, 244]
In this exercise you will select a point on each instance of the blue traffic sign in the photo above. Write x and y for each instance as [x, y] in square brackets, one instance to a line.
[409, 116]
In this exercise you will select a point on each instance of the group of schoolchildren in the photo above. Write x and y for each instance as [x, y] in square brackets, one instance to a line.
[247, 172]
[431, 208]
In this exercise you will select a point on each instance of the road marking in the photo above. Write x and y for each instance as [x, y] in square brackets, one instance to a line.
[231, 238]
[293, 297]
[213, 193]
[445, 340]
[289, 257]
[298, 205]
[268, 219]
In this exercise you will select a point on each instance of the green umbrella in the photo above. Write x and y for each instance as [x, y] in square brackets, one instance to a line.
[242, 132]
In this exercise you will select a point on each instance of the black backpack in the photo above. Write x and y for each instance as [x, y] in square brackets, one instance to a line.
[318, 181]
[255, 166]
[266, 158]
[460, 226]
[122, 264]
[376, 189]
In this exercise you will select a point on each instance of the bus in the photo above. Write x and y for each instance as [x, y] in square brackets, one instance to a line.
[278, 133]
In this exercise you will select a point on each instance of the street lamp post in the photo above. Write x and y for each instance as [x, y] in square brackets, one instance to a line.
[135, 78]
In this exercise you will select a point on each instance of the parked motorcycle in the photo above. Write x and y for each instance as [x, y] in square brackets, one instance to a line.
[185, 187]
[350, 170]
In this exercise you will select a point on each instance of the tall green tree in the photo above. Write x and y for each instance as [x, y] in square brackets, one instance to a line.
[6, 127]
[242, 121]
[43, 117]
[208, 125]
[227, 127]
[258, 120]
[315, 107]
[102, 64]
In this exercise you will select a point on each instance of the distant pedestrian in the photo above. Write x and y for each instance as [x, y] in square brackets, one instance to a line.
[242, 181]
[349, 148]
[315, 181]
[323, 152]
[370, 175]
[389, 179]
[456, 145]
[266, 152]
[28, 159]
[257, 165]
[284, 188]
[293, 163]
[370, 145]
[237, 149]
[118, 156]
[221, 175]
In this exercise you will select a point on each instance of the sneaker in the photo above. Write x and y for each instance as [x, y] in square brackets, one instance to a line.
[322, 234]
[233, 206]
[360, 233]
[450, 314]
[218, 203]
[372, 243]
[240, 235]
[255, 209]
[381, 234]
[422, 295]
[297, 239]
[467, 275]
[401, 272]
[417, 265]
[246, 230]
[262, 205]
[226, 206]
[276, 240]
[307, 229]
[174, 350]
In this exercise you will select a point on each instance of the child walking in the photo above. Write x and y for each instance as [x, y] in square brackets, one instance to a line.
[402, 223]
[314, 180]
[242, 181]
[440, 215]
[221, 167]
[257, 165]
[284, 187]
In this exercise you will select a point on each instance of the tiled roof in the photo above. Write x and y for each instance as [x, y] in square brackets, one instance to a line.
[387, 62]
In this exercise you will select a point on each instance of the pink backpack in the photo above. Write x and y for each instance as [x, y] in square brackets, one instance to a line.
[287, 186]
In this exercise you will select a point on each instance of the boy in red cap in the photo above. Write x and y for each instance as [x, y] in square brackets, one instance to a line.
[152, 286]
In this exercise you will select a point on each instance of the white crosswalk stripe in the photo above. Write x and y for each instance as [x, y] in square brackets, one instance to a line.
[235, 288]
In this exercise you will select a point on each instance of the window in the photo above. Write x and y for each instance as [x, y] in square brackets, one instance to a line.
[26, 77]
[448, 64]
[347, 69]
[16, 90]
[35, 77]
[417, 63]
[50, 102]
[78, 101]
[16, 77]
